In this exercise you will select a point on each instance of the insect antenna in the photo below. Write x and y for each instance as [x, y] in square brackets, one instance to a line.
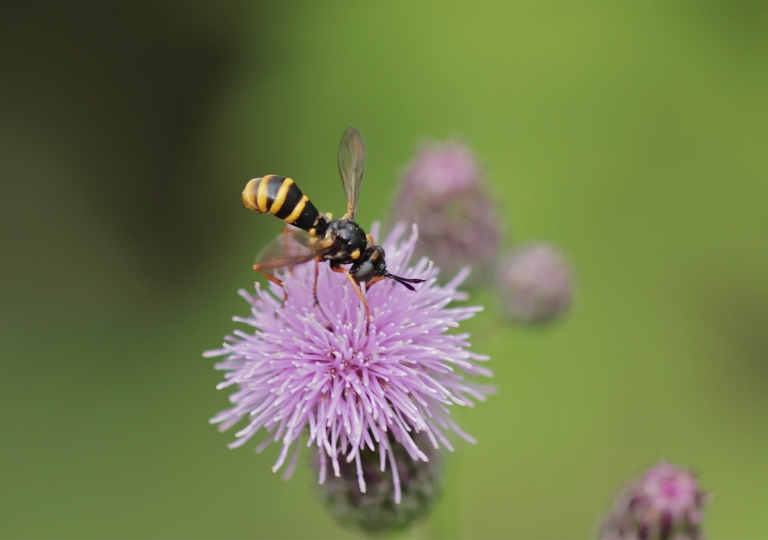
[404, 281]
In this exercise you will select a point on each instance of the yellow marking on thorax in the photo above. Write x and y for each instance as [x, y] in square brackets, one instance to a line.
[355, 254]
[261, 197]
[249, 197]
[325, 242]
[298, 210]
[282, 193]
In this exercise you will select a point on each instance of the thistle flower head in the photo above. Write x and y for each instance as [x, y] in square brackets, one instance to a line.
[535, 281]
[443, 170]
[665, 503]
[444, 192]
[314, 366]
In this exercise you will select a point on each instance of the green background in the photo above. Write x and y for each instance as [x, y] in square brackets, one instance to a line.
[631, 134]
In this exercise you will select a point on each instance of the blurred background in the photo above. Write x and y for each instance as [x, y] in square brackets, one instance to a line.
[633, 135]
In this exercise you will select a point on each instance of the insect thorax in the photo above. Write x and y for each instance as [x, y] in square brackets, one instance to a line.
[349, 240]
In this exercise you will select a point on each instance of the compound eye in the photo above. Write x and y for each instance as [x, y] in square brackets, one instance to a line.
[366, 272]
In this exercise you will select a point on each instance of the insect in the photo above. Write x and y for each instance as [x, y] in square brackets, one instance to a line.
[341, 242]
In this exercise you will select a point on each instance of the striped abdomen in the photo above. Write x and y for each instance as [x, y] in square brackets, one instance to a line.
[280, 197]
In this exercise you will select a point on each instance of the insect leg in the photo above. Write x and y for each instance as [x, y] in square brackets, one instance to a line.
[317, 274]
[370, 239]
[328, 324]
[273, 279]
[359, 294]
[376, 279]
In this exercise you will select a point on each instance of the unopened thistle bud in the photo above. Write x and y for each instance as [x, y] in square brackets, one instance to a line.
[665, 503]
[443, 191]
[376, 511]
[535, 282]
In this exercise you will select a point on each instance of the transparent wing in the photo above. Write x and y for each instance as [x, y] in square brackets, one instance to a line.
[351, 166]
[288, 249]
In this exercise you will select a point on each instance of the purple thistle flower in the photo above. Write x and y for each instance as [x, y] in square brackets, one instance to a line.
[665, 503]
[444, 192]
[308, 366]
[536, 283]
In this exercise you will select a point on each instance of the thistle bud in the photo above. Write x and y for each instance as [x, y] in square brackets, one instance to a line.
[377, 510]
[443, 191]
[535, 282]
[665, 503]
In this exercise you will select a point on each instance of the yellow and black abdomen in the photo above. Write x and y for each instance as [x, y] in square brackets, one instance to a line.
[282, 198]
